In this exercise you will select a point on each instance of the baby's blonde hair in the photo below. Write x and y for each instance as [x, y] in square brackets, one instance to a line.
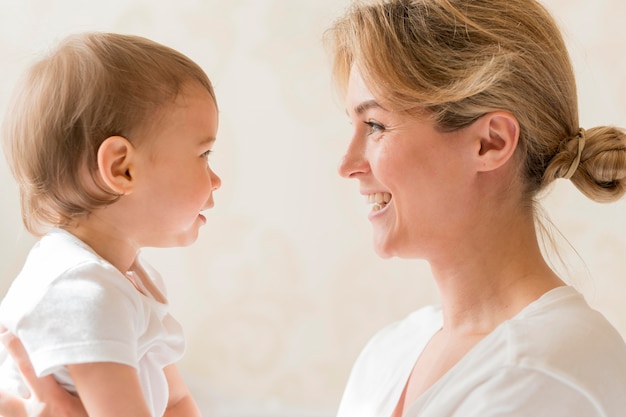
[461, 59]
[92, 86]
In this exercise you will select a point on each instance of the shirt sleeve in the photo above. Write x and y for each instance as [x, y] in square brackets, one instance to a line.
[88, 314]
[519, 392]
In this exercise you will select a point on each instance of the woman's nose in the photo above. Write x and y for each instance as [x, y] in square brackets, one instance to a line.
[354, 161]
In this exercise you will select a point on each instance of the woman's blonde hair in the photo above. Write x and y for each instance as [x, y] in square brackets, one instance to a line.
[92, 86]
[461, 59]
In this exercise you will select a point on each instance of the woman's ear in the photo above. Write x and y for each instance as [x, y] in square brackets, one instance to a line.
[498, 134]
[115, 163]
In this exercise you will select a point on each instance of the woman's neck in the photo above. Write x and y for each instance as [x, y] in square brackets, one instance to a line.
[492, 275]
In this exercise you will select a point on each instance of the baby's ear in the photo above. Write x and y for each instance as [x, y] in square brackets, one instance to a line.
[115, 163]
[498, 135]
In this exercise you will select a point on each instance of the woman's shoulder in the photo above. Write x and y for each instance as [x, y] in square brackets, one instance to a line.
[556, 349]
[561, 337]
[562, 322]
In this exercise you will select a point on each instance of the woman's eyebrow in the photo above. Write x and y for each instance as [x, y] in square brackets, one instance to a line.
[366, 105]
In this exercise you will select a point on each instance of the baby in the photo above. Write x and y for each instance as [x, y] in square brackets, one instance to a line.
[108, 138]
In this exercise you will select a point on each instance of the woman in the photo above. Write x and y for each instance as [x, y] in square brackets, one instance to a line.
[463, 111]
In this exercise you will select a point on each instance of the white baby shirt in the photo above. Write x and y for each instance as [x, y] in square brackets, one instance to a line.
[70, 306]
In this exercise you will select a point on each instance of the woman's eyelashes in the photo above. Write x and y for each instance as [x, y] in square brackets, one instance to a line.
[206, 154]
[374, 127]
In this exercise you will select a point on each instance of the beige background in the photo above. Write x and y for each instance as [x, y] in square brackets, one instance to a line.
[282, 289]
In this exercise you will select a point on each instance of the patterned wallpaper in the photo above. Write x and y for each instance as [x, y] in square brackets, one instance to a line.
[282, 289]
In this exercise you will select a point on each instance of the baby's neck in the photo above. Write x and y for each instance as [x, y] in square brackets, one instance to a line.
[109, 243]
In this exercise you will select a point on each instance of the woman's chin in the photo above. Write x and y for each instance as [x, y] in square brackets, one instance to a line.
[382, 248]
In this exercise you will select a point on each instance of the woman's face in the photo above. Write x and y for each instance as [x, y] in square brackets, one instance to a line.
[416, 178]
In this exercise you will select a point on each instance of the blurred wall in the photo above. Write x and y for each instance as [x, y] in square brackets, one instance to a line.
[282, 289]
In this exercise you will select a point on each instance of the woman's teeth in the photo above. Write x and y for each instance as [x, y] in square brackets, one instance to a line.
[378, 200]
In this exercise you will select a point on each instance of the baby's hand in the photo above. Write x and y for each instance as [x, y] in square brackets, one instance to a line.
[48, 398]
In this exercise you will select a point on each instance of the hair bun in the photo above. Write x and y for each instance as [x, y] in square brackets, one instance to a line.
[595, 161]
[580, 139]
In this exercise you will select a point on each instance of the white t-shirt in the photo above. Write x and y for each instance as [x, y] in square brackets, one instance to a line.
[70, 306]
[556, 358]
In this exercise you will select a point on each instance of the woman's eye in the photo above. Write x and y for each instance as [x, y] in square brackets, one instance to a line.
[206, 154]
[374, 127]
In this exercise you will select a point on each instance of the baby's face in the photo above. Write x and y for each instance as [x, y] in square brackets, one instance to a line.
[174, 182]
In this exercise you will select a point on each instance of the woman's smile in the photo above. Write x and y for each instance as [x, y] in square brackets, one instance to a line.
[378, 201]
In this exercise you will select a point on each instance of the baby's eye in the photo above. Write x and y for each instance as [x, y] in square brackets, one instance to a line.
[374, 127]
[206, 154]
